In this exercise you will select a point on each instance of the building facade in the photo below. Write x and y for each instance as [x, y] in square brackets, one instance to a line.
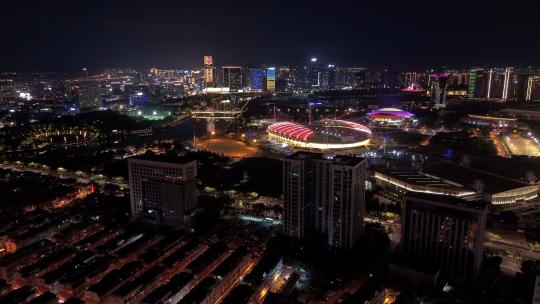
[324, 195]
[89, 96]
[271, 79]
[255, 79]
[208, 72]
[439, 86]
[296, 196]
[162, 192]
[232, 78]
[444, 231]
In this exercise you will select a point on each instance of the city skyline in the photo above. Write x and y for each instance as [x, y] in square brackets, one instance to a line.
[411, 35]
[258, 152]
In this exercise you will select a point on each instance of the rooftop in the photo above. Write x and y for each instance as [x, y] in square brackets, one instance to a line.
[447, 200]
[116, 277]
[174, 285]
[390, 113]
[146, 278]
[163, 158]
[337, 160]
[493, 183]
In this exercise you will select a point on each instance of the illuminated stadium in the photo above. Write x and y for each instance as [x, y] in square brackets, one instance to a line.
[391, 116]
[325, 134]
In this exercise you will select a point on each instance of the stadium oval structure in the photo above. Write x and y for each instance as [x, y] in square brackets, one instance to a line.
[325, 134]
[391, 116]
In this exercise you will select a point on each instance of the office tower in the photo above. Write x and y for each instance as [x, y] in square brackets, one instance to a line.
[390, 78]
[255, 79]
[296, 195]
[459, 79]
[271, 79]
[162, 192]
[445, 232]
[478, 84]
[329, 77]
[491, 83]
[495, 83]
[284, 79]
[375, 78]
[232, 78]
[324, 195]
[439, 86]
[533, 88]
[520, 86]
[89, 96]
[471, 90]
[409, 79]
[314, 74]
[208, 72]
[350, 77]
[508, 85]
[338, 198]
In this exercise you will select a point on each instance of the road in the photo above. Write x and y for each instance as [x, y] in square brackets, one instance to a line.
[502, 150]
[82, 180]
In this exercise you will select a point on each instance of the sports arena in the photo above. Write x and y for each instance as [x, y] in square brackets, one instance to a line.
[391, 116]
[325, 134]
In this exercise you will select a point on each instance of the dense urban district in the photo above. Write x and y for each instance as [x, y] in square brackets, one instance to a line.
[270, 184]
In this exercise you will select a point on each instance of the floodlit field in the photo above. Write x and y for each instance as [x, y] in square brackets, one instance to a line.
[228, 147]
[520, 145]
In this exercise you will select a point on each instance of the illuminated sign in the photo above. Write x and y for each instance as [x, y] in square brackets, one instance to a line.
[208, 70]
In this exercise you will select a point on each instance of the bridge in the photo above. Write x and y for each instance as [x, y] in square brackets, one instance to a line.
[222, 113]
[218, 114]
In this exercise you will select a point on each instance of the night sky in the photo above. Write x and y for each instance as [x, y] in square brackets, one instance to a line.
[67, 35]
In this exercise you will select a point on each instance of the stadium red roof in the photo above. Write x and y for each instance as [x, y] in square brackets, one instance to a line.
[291, 130]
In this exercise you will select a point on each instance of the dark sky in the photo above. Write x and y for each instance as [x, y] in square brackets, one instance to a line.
[67, 35]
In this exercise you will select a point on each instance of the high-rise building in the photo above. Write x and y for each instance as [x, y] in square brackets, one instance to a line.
[314, 75]
[208, 71]
[255, 79]
[284, 79]
[478, 84]
[350, 77]
[508, 85]
[471, 89]
[271, 79]
[492, 84]
[324, 195]
[162, 192]
[89, 96]
[495, 83]
[232, 78]
[296, 195]
[445, 232]
[439, 86]
[409, 79]
[329, 77]
[533, 88]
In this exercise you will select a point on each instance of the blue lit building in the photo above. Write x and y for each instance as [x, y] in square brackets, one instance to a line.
[256, 79]
[138, 99]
